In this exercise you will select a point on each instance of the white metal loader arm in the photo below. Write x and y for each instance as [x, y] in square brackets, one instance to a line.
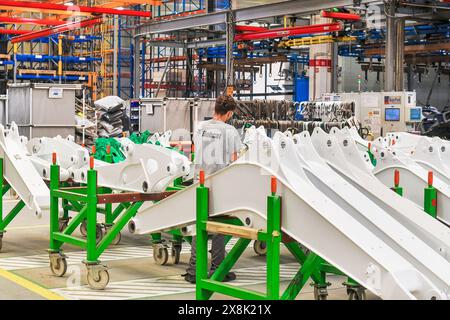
[414, 179]
[429, 154]
[404, 141]
[308, 218]
[70, 156]
[332, 186]
[353, 132]
[354, 153]
[20, 172]
[431, 231]
[147, 168]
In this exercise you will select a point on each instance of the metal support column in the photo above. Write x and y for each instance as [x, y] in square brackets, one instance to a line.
[116, 49]
[334, 66]
[399, 57]
[137, 60]
[391, 46]
[230, 81]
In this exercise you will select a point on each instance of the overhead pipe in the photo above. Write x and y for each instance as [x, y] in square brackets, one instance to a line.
[56, 30]
[43, 22]
[340, 15]
[292, 31]
[61, 7]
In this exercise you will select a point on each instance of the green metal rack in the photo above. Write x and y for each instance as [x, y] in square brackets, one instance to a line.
[311, 265]
[86, 200]
[6, 220]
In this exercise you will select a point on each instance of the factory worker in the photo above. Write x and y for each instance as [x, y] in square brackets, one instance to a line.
[217, 144]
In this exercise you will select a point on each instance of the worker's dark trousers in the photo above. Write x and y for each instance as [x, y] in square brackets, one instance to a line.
[217, 253]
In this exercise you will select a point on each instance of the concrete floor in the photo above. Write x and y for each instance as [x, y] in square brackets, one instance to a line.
[133, 273]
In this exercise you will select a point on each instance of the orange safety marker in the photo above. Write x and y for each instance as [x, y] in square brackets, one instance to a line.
[202, 177]
[396, 178]
[54, 157]
[273, 185]
[91, 162]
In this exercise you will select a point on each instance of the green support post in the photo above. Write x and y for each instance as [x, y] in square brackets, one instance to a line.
[430, 197]
[1, 200]
[55, 245]
[372, 158]
[397, 189]
[2, 228]
[91, 216]
[202, 238]
[273, 243]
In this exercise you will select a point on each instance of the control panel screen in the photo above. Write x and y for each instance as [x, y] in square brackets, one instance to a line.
[392, 114]
[415, 114]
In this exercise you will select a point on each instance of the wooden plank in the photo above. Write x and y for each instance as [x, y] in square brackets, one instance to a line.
[232, 230]
[132, 197]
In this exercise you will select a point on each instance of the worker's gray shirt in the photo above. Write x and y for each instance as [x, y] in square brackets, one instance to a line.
[215, 143]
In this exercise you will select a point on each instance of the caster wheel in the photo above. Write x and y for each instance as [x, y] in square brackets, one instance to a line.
[117, 239]
[62, 224]
[320, 293]
[83, 228]
[58, 266]
[98, 229]
[160, 254]
[357, 295]
[176, 253]
[260, 248]
[98, 280]
[98, 232]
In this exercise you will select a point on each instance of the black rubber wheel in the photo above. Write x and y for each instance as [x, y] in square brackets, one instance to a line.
[176, 253]
[320, 293]
[357, 295]
[117, 239]
[98, 232]
[160, 254]
[62, 224]
[83, 228]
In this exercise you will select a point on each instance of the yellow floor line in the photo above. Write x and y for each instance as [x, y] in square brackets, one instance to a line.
[31, 286]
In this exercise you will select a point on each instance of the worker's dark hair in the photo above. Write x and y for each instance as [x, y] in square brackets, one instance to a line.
[225, 104]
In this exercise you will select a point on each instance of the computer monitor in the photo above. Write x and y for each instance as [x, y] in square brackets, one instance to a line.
[415, 114]
[392, 114]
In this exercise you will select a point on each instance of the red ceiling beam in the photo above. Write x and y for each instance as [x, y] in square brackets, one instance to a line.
[293, 31]
[62, 7]
[56, 30]
[42, 22]
[340, 15]
[12, 31]
[241, 28]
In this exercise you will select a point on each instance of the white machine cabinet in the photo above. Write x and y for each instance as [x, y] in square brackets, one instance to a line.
[382, 112]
